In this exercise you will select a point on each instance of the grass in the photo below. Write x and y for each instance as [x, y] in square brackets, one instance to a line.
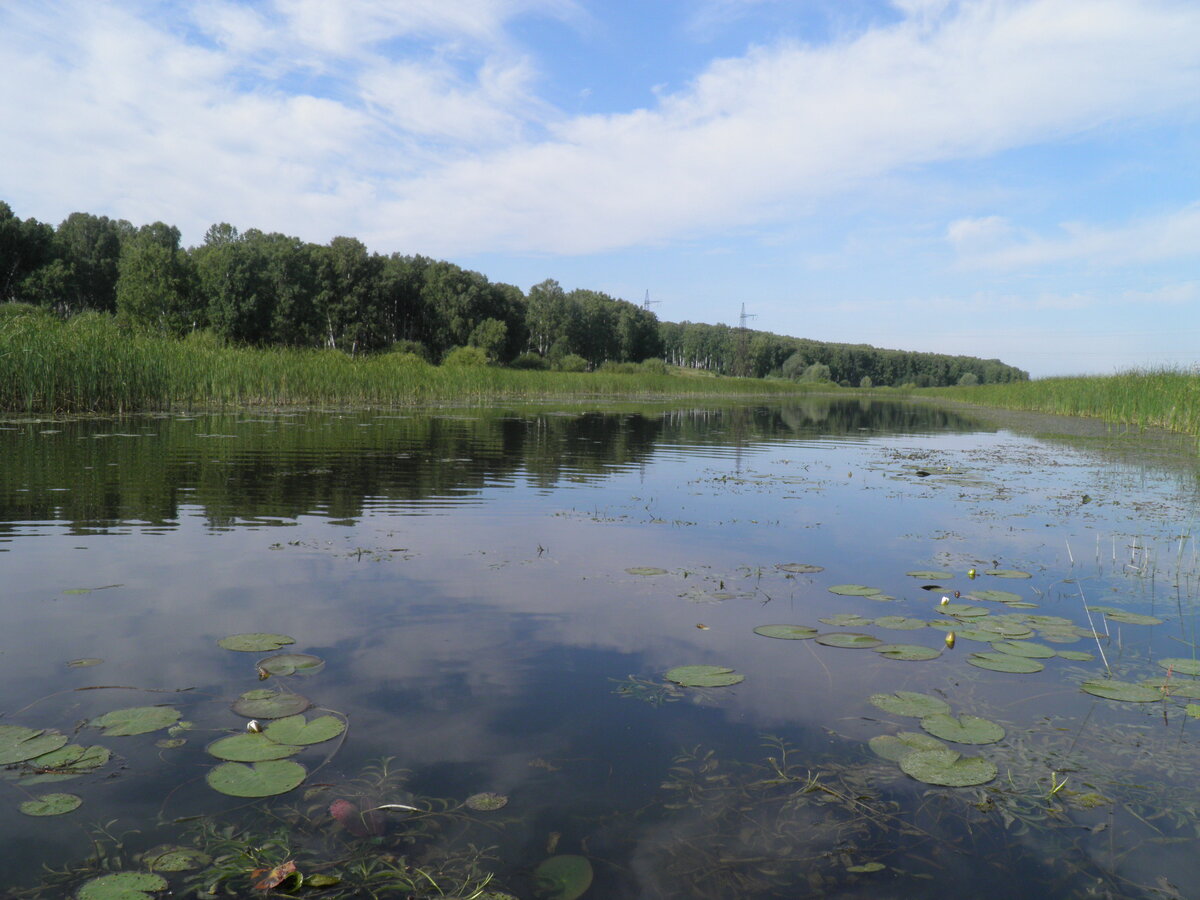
[1146, 398]
[90, 364]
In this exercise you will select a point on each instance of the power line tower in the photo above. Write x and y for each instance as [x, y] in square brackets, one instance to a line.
[647, 302]
[741, 345]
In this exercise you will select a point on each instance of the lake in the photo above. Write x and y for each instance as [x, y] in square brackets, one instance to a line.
[641, 652]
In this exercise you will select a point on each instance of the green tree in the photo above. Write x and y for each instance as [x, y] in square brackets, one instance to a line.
[235, 285]
[156, 282]
[90, 247]
[349, 299]
[490, 336]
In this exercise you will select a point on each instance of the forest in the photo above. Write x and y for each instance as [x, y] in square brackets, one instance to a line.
[257, 289]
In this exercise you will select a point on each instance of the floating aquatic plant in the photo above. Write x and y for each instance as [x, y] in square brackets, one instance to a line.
[787, 632]
[260, 779]
[704, 676]
[136, 720]
[964, 729]
[51, 805]
[910, 703]
[948, 768]
[255, 642]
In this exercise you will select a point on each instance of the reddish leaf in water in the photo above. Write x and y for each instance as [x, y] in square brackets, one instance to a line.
[359, 824]
[277, 876]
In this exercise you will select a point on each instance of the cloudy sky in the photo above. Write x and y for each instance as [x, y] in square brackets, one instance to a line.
[1003, 178]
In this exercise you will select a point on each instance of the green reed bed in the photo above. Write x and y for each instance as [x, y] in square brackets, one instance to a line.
[1162, 398]
[91, 364]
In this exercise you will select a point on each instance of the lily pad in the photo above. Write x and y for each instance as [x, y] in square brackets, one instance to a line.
[67, 762]
[486, 801]
[564, 877]
[900, 623]
[910, 703]
[962, 729]
[295, 730]
[787, 632]
[1076, 655]
[250, 748]
[1122, 690]
[1131, 618]
[1007, 573]
[867, 867]
[1028, 649]
[136, 720]
[849, 640]
[854, 590]
[996, 596]
[1005, 662]
[122, 886]
[947, 767]
[1003, 629]
[929, 574]
[646, 570]
[800, 568]
[51, 805]
[896, 747]
[18, 743]
[255, 642]
[292, 664]
[261, 779]
[1189, 690]
[171, 858]
[910, 652]
[1180, 665]
[846, 620]
[264, 703]
[962, 610]
[1060, 635]
[704, 676]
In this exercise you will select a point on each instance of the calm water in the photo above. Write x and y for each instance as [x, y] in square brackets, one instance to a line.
[497, 597]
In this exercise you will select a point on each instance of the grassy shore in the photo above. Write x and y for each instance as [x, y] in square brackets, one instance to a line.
[89, 364]
[1164, 398]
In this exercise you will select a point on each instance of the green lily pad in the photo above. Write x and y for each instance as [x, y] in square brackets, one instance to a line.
[292, 664]
[1005, 662]
[976, 634]
[900, 623]
[51, 805]
[910, 652]
[264, 703]
[136, 720]
[295, 730]
[800, 568]
[910, 703]
[564, 877]
[67, 762]
[646, 570]
[1174, 687]
[261, 779]
[1131, 618]
[1042, 621]
[929, 574]
[487, 801]
[255, 642]
[1122, 690]
[846, 620]
[787, 632]
[867, 867]
[996, 596]
[18, 743]
[1028, 649]
[1003, 629]
[122, 886]
[171, 858]
[1181, 666]
[1193, 710]
[947, 767]
[962, 610]
[250, 748]
[1007, 573]
[704, 676]
[963, 729]
[1060, 635]
[1076, 655]
[848, 640]
[854, 590]
[170, 743]
[896, 747]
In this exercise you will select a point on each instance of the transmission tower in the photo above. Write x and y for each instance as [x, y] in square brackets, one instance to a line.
[741, 345]
[647, 302]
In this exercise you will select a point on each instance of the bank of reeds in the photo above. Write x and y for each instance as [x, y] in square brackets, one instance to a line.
[1161, 398]
[90, 364]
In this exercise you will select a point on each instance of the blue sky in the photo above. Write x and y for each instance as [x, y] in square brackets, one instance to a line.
[1002, 178]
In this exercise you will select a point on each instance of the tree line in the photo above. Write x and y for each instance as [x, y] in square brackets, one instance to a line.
[263, 289]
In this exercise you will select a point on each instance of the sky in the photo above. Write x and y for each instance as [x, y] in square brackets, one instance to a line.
[1012, 179]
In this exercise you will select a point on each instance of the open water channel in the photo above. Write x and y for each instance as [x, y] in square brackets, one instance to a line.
[471, 627]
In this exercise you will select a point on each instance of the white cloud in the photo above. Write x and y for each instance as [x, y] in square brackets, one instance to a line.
[971, 234]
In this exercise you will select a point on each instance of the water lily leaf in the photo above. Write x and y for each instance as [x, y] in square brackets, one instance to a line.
[846, 620]
[264, 703]
[1076, 655]
[122, 886]
[295, 730]
[1005, 662]
[292, 664]
[1041, 620]
[910, 652]
[976, 634]
[929, 574]
[564, 877]
[1181, 666]
[1060, 634]
[136, 720]
[996, 596]
[1003, 629]
[962, 610]
[51, 805]
[486, 801]
[1193, 710]
[849, 640]
[18, 743]
[1122, 690]
[910, 703]
[170, 858]
[322, 880]
[261, 779]
[646, 570]
[170, 743]
[84, 662]
[65, 763]
[896, 747]
[256, 642]
[962, 729]
[867, 867]
[1007, 573]
[1175, 687]
[787, 632]
[276, 876]
[704, 676]
[854, 590]
[800, 568]
[947, 767]
[1028, 649]
[1131, 618]
[250, 748]
[900, 623]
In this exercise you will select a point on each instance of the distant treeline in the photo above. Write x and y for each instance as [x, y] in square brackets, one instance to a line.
[259, 289]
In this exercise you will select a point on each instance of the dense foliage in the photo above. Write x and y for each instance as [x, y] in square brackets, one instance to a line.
[271, 290]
